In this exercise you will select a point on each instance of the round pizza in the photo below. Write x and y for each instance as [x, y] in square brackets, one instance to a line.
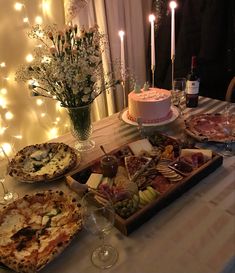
[42, 162]
[37, 228]
[211, 127]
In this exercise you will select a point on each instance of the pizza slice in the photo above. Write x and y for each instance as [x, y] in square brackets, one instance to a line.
[53, 240]
[19, 252]
[36, 228]
[135, 165]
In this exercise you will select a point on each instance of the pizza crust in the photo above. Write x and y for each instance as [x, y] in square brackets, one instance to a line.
[32, 242]
[43, 162]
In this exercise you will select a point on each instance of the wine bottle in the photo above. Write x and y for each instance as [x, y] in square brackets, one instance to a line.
[192, 85]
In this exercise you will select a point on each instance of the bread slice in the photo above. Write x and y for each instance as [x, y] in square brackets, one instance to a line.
[135, 165]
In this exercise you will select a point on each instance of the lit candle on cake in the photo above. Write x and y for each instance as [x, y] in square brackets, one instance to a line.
[151, 20]
[121, 34]
[173, 6]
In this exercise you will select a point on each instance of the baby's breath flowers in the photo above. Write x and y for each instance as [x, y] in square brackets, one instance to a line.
[67, 65]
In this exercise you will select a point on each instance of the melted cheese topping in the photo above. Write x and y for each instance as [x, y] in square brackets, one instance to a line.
[35, 219]
[5, 239]
[12, 223]
[59, 161]
[45, 239]
[59, 218]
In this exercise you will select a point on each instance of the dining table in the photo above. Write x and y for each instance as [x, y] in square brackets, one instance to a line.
[193, 234]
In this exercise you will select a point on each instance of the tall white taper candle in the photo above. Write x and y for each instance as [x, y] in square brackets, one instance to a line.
[121, 33]
[173, 6]
[151, 20]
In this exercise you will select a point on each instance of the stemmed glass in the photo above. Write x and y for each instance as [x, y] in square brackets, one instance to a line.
[99, 219]
[228, 131]
[178, 93]
[8, 196]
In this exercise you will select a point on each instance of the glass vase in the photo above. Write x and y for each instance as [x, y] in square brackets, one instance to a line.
[81, 127]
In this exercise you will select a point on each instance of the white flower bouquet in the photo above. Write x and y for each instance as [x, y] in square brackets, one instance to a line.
[67, 65]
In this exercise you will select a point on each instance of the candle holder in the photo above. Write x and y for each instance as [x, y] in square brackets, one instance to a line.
[153, 74]
[172, 71]
[123, 84]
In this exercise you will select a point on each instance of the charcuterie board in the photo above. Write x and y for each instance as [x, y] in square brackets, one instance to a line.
[151, 174]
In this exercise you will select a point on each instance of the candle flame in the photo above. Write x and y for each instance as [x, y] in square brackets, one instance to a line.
[173, 5]
[121, 33]
[151, 18]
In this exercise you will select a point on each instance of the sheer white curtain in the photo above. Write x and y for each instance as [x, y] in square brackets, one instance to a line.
[112, 16]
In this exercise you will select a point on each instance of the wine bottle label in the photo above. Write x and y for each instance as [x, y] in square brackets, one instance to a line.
[192, 87]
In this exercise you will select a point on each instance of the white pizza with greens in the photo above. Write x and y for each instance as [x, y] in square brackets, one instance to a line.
[42, 162]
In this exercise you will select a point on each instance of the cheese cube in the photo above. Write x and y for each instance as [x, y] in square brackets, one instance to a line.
[94, 180]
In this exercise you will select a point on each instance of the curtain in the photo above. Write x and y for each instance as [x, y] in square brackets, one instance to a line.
[112, 16]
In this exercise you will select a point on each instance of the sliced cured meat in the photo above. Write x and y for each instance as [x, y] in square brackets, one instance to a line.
[211, 127]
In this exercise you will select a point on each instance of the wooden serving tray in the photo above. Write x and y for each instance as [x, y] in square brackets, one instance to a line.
[126, 226]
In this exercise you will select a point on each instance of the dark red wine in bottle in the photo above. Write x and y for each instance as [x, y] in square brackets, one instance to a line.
[192, 86]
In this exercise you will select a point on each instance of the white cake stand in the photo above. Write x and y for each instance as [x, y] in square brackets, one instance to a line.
[175, 115]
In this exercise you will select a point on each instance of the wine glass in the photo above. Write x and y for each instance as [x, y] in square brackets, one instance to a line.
[8, 196]
[98, 218]
[228, 131]
[178, 93]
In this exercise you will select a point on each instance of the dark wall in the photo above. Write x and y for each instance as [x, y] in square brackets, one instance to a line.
[205, 28]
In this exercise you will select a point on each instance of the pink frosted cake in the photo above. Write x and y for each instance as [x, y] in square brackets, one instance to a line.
[152, 105]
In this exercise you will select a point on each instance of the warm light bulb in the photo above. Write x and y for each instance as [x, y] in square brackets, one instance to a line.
[2, 64]
[3, 102]
[39, 102]
[25, 20]
[7, 149]
[3, 91]
[151, 18]
[18, 136]
[53, 133]
[173, 5]
[18, 6]
[43, 115]
[29, 58]
[58, 119]
[45, 5]
[2, 130]
[9, 115]
[38, 20]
